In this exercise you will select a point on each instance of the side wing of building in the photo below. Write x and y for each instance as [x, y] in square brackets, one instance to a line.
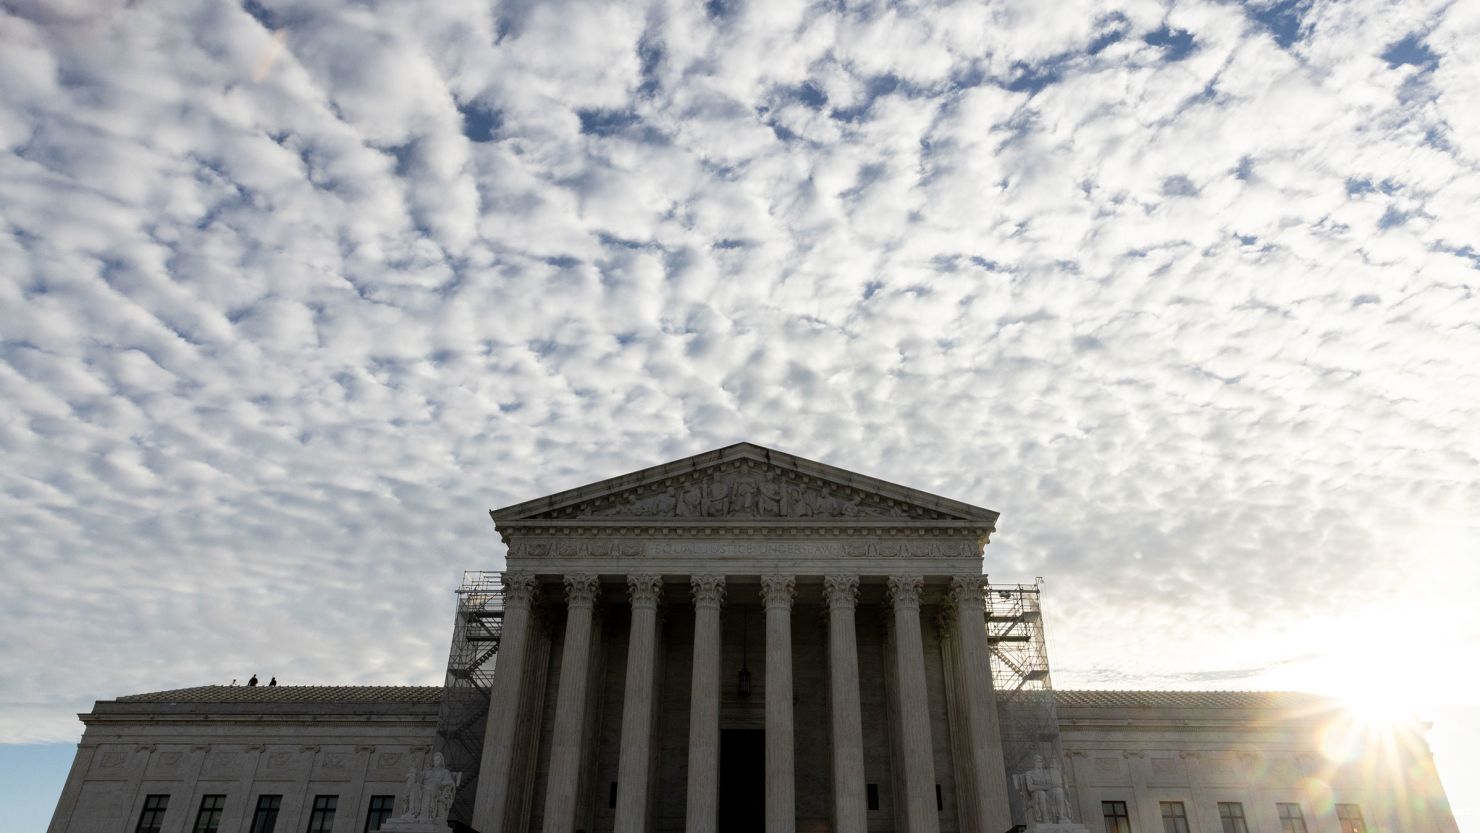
[237, 758]
[1245, 762]
[328, 758]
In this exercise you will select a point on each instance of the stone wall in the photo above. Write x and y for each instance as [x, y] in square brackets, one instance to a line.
[190, 751]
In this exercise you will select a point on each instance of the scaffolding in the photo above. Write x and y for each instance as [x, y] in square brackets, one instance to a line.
[1026, 710]
[470, 665]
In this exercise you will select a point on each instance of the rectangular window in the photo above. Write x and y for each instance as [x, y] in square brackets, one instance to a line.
[1232, 814]
[321, 820]
[152, 819]
[1291, 819]
[264, 820]
[381, 807]
[1117, 819]
[611, 799]
[1174, 817]
[208, 820]
[940, 802]
[872, 792]
[1350, 816]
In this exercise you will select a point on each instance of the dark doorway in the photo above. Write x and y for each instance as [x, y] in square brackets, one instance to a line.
[742, 781]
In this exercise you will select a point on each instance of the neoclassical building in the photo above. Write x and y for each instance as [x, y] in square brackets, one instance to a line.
[746, 640]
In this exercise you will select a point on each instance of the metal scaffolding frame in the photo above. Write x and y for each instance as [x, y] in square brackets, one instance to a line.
[1026, 710]
[463, 716]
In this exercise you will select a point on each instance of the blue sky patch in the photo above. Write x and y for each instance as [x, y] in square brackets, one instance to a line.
[1410, 51]
[1175, 44]
[606, 122]
[1283, 19]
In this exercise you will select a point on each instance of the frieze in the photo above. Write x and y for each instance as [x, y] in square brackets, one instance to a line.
[745, 490]
[933, 548]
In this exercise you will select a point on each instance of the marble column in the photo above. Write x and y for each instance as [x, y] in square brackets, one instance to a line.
[914, 708]
[850, 808]
[988, 788]
[702, 812]
[637, 705]
[570, 705]
[503, 704]
[777, 592]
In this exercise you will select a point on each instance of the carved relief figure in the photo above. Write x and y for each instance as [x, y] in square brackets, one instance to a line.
[716, 498]
[691, 501]
[745, 496]
[769, 497]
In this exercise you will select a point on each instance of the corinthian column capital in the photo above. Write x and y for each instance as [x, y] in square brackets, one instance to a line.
[840, 591]
[582, 589]
[904, 591]
[644, 590]
[778, 591]
[519, 588]
[966, 589]
[709, 591]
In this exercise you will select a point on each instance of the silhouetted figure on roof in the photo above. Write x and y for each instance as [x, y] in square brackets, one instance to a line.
[233, 681]
[272, 682]
[252, 681]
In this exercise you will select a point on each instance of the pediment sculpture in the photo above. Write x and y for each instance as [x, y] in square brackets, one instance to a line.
[745, 491]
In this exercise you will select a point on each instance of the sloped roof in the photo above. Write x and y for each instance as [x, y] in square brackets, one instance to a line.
[1145, 699]
[401, 694]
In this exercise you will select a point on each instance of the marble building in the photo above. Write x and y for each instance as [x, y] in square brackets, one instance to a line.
[743, 640]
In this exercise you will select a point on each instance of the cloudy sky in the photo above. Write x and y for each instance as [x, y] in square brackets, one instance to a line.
[292, 292]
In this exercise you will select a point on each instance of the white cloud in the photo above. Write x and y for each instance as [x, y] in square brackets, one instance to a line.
[288, 300]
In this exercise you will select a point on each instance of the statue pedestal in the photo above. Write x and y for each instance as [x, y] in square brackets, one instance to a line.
[1041, 827]
[403, 825]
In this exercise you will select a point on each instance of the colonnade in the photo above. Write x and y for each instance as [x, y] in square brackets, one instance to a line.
[984, 786]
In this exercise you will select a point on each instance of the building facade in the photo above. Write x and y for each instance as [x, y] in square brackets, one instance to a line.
[737, 641]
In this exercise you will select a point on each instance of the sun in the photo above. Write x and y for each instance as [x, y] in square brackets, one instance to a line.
[1376, 708]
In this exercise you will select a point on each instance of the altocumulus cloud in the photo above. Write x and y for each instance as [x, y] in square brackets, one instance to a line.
[291, 292]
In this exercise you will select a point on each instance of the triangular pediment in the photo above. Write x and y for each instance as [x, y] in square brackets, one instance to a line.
[744, 482]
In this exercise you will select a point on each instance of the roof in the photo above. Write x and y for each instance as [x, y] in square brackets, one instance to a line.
[431, 695]
[338, 694]
[1190, 699]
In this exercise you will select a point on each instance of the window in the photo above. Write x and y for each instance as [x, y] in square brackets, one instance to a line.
[208, 820]
[380, 811]
[1117, 820]
[1232, 813]
[873, 796]
[611, 798]
[940, 802]
[265, 819]
[1291, 819]
[321, 820]
[1350, 816]
[1174, 817]
[153, 816]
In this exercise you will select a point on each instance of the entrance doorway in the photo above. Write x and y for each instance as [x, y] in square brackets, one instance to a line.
[742, 781]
